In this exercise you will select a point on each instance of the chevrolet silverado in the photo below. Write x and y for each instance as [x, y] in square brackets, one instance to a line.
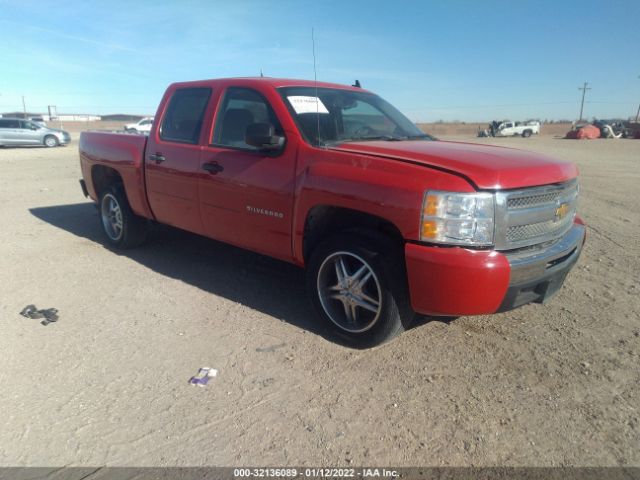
[387, 221]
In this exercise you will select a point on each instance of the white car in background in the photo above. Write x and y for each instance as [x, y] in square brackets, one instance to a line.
[510, 129]
[143, 126]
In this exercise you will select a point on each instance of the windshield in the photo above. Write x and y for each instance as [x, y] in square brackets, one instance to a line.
[334, 116]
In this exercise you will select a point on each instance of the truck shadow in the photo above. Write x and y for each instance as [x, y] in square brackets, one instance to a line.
[261, 283]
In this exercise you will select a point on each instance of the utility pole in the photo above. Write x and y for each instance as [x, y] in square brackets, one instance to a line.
[24, 108]
[584, 89]
[638, 112]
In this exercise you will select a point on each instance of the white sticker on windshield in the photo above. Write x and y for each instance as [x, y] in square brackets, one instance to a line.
[302, 104]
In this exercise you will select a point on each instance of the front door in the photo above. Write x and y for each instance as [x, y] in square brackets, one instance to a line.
[30, 133]
[172, 160]
[246, 195]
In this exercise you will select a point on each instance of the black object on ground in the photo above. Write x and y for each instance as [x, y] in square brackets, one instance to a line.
[48, 315]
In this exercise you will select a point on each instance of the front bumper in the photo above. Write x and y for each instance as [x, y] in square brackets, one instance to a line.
[458, 281]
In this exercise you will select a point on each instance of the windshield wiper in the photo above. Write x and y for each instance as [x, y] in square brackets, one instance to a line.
[386, 138]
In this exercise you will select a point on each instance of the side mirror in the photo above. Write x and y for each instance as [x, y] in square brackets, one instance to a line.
[262, 136]
[33, 127]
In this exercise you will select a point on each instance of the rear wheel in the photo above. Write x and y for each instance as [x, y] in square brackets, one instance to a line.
[51, 141]
[123, 228]
[526, 133]
[358, 287]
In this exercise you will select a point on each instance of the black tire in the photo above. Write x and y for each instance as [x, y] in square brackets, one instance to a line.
[51, 141]
[527, 133]
[132, 230]
[386, 262]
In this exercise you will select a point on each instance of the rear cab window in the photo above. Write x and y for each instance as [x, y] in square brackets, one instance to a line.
[240, 108]
[183, 118]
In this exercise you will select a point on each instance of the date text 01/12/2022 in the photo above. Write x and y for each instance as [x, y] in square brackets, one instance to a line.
[314, 473]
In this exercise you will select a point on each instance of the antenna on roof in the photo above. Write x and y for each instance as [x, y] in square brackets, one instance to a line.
[315, 81]
[357, 84]
[261, 74]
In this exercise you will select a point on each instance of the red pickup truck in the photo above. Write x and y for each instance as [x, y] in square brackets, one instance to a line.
[387, 221]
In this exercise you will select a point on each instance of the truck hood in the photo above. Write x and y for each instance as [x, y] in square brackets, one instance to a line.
[485, 166]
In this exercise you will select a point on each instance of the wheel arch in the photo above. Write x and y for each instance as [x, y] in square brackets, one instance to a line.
[323, 221]
[50, 135]
[103, 177]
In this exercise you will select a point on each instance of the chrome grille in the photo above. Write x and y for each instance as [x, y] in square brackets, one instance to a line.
[531, 200]
[535, 230]
[534, 215]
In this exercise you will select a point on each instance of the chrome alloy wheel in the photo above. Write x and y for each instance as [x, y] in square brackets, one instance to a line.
[112, 217]
[349, 292]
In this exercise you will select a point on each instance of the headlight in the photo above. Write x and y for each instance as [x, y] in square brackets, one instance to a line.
[458, 218]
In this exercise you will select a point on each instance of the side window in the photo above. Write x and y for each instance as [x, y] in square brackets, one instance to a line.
[9, 124]
[183, 119]
[241, 107]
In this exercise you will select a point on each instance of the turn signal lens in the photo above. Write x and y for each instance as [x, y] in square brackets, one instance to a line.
[429, 229]
[431, 205]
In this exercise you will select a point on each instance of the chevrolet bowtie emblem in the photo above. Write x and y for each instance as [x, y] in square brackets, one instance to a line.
[562, 211]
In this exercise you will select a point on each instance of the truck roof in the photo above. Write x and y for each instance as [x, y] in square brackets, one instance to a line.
[274, 82]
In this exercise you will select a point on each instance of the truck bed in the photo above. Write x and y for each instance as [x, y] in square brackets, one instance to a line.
[122, 152]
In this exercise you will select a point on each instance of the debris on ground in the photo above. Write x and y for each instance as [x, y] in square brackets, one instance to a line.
[583, 132]
[203, 376]
[48, 315]
[272, 348]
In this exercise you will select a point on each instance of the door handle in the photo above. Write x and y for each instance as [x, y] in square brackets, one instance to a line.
[157, 157]
[213, 168]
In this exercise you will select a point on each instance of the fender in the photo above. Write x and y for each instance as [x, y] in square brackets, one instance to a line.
[386, 188]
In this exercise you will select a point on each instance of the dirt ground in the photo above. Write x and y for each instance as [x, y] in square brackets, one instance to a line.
[107, 384]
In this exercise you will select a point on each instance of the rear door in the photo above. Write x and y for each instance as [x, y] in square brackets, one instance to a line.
[172, 158]
[9, 131]
[247, 195]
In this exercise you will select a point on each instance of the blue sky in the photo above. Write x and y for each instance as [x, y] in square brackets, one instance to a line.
[450, 60]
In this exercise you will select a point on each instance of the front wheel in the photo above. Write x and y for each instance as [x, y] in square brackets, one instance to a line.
[123, 228]
[358, 287]
[51, 141]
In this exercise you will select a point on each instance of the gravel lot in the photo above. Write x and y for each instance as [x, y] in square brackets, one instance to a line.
[108, 383]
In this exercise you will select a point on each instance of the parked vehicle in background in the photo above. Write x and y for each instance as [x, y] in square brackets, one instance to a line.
[583, 131]
[614, 128]
[512, 129]
[18, 131]
[39, 120]
[386, 220]
[142, 126]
